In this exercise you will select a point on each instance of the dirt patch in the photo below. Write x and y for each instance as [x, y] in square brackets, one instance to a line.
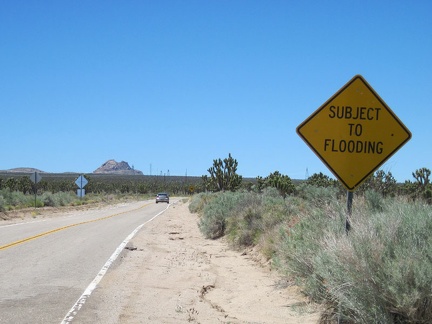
[170, 274]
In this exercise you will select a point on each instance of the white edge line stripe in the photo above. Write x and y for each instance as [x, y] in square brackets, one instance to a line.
[83, 298]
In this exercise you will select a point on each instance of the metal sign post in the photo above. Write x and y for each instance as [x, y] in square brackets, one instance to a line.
[35, 178]
[350, 196]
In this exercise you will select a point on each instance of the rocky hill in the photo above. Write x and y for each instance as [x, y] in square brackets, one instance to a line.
[114, 167]
[23, 170]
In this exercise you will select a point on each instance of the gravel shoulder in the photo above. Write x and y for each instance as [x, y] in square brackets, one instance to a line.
[169, 273]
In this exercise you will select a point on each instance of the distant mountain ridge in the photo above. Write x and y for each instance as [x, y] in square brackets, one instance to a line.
[24, 170]
[109, 167]
[114, 167]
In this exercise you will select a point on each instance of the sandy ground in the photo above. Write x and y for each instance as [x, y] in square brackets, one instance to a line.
[169, 273]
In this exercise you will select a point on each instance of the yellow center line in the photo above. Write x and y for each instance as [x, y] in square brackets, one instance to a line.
[6, 246]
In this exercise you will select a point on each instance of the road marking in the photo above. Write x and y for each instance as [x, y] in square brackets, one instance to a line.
[83, 298]
[6, 246]
[24, 223]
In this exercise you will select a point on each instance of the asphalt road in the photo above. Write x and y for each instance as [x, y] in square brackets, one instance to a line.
[46, 265]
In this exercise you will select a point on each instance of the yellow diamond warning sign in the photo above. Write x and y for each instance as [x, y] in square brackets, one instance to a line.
[354, 132]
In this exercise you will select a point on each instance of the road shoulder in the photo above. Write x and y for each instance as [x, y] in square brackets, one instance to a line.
[169, 273]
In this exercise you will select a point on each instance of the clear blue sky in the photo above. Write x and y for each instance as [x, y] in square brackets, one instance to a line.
[176, 84]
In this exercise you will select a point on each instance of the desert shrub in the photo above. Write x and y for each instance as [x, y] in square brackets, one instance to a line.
[317, 196]
[246, 218]
[57, 199]
[276, 208]
[277, 213]
[216, 212]
[244, 226]
[18, 199]
[427, 195]
[374, 200]
[252, 218]
[65, 198]
[321, 180]
[142, 189]
[299, 243]
[15, 199]
[48, 199]
[2, 204]
[198, 202]
[243, 216]
[38, 203]
[281, 182]
[218, 208]
[381, 272]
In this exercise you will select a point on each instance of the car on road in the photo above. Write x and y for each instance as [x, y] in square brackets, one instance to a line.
[162, 197]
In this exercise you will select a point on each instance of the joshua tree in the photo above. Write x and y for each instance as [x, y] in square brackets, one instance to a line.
[223, 175]
[422, 177]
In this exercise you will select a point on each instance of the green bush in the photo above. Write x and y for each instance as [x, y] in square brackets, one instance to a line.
[281, 182]
[2, 203]
[317, 196]
[15, 199]
[57, 199]
[275, 208]
[374, 200]
[215, 213]
[199, 201]
[255, 218]
[381, 272]
[38, 203]
[244, 224]
[245, 218]
[217, 208]
[300, 242]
